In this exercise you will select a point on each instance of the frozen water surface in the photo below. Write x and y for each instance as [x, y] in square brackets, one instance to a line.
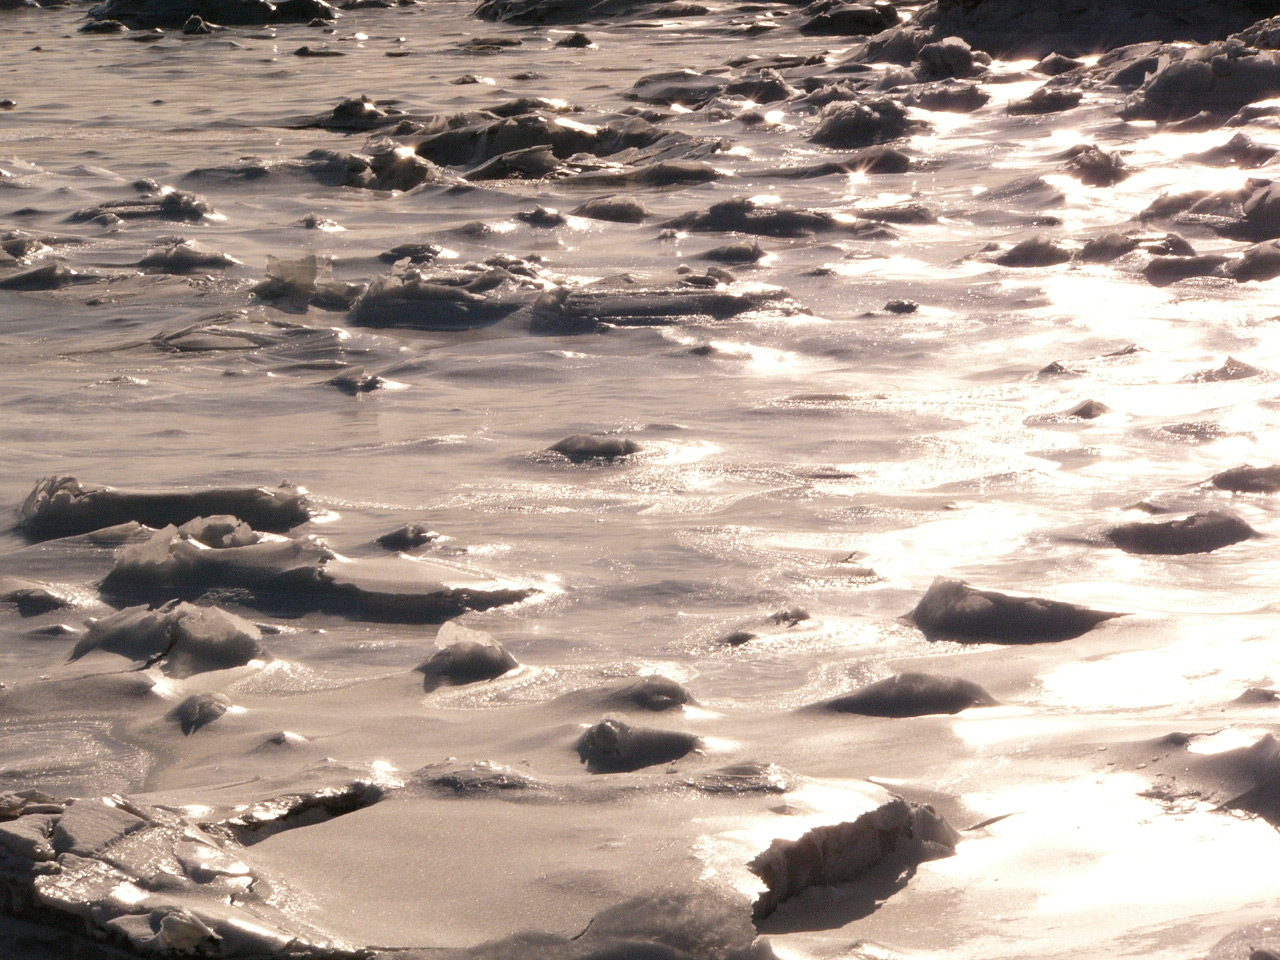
[669, 353]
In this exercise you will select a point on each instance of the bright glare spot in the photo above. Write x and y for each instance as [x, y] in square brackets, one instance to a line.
[163, 687]
[1233, 738]
[1134, 302]
[690, 453]
[129, 894]
[1185, 668]
[586, 128]
[762, 359]
[888, 267]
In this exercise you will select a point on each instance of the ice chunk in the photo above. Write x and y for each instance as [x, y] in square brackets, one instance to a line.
[184, 638]
[28, 836]
[199, 710]
[89, 826]
[613, 746]
[465, 656]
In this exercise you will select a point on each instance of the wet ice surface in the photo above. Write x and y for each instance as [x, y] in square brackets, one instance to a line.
[836, 373]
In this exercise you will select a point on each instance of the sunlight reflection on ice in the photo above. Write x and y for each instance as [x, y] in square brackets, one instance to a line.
[1193, 667]
[1077, 847]
[762, 359]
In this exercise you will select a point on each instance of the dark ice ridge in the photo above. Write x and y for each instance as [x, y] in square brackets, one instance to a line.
[586, 447]
[147, 14]
[159, 203]
[480, 779]
[1217, 209]
[953, 610]
[507, 289]
[1198, 533]
[64, 506]
[744, 215]
[358, 381]
[912, 695]
[1014, 29]
[49, 276]
[298, 575]
[530, 138]
[383, 165]
[424, 298]
[1248, 479]
[537, 142]
[1171, 258]
[207, 541]
[1218, 79]
[356, 115]
[628, 301]
[412, 535]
